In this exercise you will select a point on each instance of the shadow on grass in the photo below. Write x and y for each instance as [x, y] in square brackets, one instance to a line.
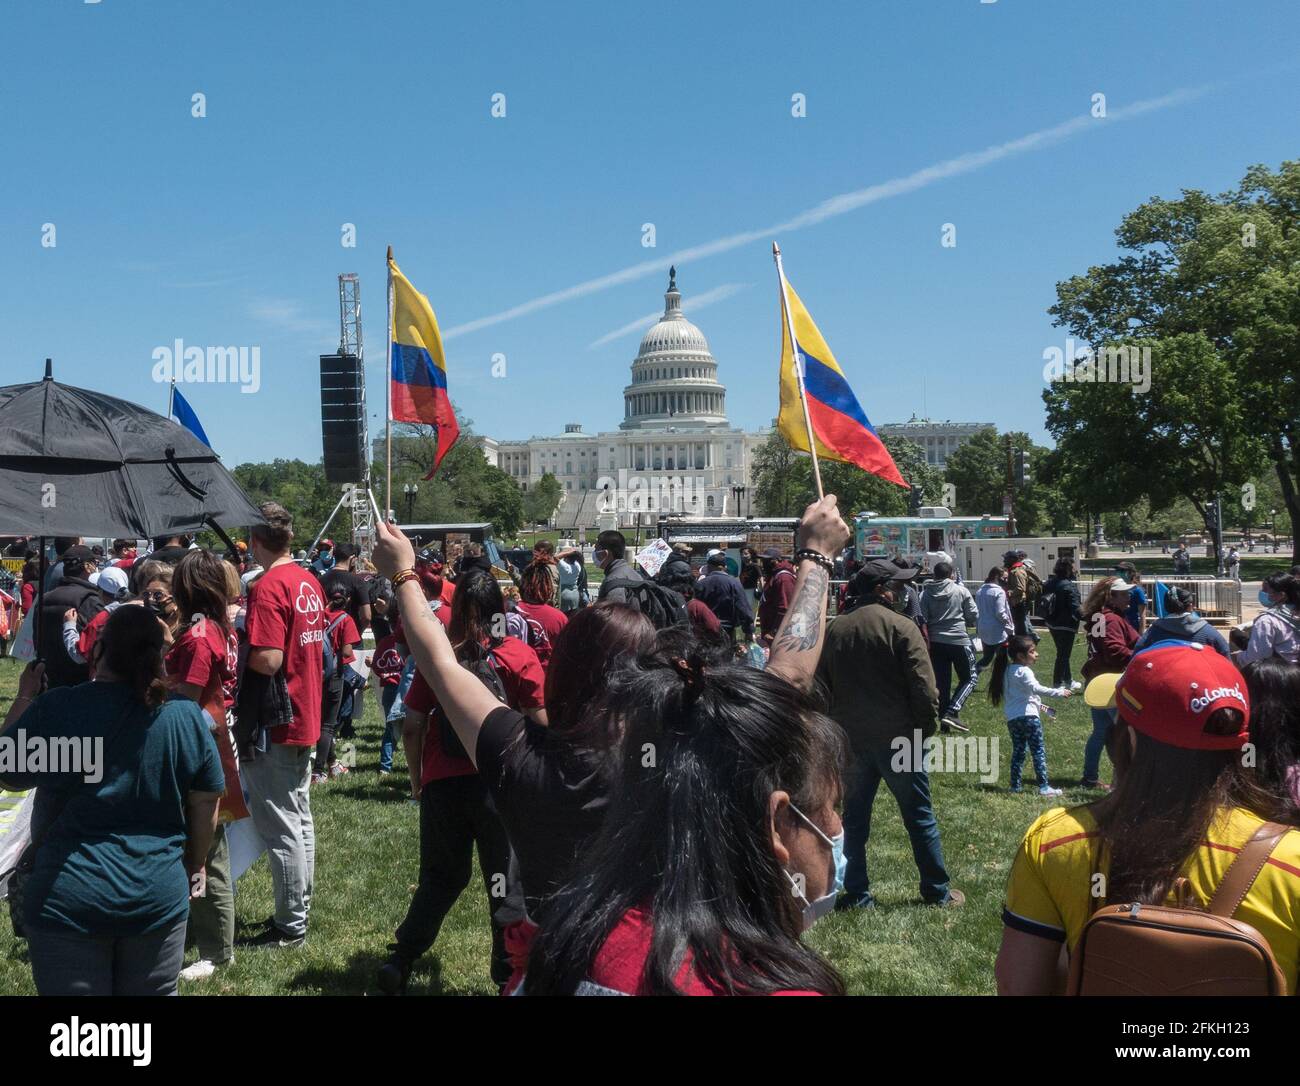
[358, 977]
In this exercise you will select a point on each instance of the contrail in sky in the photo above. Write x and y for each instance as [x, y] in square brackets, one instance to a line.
[840, 205]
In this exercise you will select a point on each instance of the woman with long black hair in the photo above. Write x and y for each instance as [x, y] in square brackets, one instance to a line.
[1275, 724]
[543, 781]
[721, 846]
[1185, 803]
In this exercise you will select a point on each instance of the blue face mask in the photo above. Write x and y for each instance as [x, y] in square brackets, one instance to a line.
[815, 910]
[1265, 599]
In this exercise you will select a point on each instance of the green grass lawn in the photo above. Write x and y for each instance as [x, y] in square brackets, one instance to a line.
[367, 847]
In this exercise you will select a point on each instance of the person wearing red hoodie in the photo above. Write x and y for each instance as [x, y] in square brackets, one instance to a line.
[1111, 641]
[778, 591]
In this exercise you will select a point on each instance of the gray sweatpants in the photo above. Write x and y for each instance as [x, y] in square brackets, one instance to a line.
[278, 783]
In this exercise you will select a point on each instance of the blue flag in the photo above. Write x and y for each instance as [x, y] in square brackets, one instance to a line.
[186, 417]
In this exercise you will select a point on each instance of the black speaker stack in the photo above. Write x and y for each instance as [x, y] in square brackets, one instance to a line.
[342, 416]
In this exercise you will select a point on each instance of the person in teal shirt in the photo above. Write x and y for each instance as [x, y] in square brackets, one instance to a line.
[123, 816]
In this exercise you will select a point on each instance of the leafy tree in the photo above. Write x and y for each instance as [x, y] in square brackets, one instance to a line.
[977, 471]
[541, 502]
[784, 486]
[1212, 285]
[779, 476]
[301, 488]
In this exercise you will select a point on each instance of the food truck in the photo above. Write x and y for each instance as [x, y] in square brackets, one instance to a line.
[922, 538]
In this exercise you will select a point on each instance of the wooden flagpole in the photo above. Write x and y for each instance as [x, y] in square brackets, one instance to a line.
[798, 369]
[388, 398]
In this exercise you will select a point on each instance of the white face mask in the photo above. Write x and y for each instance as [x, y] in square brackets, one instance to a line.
[815, 910]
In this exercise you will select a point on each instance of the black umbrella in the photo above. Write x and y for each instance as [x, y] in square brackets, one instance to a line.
[76, 462]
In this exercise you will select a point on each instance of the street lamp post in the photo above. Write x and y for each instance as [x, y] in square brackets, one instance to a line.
[410, 490]
[738, 492]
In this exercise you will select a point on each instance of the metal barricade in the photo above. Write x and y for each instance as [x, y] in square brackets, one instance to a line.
[1215, 599]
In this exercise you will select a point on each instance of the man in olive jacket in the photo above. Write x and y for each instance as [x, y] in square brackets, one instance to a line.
[878, 684]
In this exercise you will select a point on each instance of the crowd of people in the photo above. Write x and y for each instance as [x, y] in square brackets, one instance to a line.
[665, 780]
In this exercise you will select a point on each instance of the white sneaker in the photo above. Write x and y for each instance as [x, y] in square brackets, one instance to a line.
[200, 970]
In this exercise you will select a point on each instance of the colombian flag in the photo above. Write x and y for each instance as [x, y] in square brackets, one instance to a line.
[419, 370]
[839, 424]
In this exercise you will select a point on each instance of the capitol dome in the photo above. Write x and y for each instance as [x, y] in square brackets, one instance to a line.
[673, 332]
[674, 375]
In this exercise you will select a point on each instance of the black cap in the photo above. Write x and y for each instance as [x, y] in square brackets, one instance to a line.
[773, 553]
[674, 568]
[880, 571]
[78, 553]
[430, 554]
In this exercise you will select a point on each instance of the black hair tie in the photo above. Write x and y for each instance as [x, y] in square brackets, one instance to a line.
[692, 676]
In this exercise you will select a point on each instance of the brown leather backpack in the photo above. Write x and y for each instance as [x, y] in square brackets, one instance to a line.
[1164, 950]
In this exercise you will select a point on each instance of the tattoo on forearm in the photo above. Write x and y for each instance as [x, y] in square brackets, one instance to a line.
[802, 626]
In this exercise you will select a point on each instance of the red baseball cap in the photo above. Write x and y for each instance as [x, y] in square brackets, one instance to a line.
[1169, 691]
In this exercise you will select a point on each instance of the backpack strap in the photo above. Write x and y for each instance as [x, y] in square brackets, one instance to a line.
[1245, 869]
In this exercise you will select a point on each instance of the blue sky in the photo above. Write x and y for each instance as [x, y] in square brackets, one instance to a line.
[225, 230]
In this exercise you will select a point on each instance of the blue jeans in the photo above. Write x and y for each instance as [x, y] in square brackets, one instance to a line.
[1102, 719]
[911, 789]
[389, 740]
[1027, 735]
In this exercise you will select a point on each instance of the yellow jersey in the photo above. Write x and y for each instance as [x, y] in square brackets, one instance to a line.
[1050, 889]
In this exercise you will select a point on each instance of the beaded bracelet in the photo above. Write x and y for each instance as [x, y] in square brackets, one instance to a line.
[815, 556]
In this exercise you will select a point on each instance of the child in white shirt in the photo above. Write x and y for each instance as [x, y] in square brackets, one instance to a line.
[1015, 684]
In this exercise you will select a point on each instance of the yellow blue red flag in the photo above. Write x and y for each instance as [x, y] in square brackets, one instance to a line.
[418, 367]
[840, 426]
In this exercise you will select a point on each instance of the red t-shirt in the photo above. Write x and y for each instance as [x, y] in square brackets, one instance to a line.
[286, 612]
[202, 656]
[387, 662]
[521, 676]
[551, 619]
[620, 962]
[343, 636]
[28, 595]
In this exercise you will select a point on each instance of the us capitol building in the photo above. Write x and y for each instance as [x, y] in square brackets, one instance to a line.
[674, 439]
